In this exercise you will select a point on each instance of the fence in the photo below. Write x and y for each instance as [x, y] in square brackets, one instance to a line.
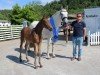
[94, 39]
[10, 32]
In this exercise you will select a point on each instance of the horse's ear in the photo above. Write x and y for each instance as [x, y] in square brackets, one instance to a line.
[61, 7]
[45, 16]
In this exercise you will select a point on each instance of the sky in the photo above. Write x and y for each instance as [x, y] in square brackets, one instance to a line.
[7, 4]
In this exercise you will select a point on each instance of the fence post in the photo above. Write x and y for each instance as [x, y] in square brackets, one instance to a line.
[88, 38]
[98, 38]
[11, 32]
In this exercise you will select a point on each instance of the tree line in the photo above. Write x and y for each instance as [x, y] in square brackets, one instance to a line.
[34, 10]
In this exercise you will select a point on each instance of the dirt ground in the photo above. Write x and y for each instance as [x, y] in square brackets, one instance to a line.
[60, 65]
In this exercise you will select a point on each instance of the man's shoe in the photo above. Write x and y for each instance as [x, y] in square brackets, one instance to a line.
[79, 58]
[73, 58]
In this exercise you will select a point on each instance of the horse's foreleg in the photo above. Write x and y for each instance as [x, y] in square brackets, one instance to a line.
[36, 53]
[26, 48]
[39, 50]
[53, 55]
[48, 45]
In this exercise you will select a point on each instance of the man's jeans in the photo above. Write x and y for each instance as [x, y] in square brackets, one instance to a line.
[77, 41]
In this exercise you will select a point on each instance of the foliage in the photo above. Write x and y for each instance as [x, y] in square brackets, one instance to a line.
[34, 10]
[4, 14]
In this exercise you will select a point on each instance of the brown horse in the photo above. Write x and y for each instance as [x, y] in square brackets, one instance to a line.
[34, 36]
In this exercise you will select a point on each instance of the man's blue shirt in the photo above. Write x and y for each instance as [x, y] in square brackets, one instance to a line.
[78, 28]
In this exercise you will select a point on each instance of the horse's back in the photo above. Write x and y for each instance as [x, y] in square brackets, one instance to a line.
[33, 24]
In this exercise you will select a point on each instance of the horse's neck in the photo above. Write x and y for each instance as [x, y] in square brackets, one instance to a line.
[39, 28]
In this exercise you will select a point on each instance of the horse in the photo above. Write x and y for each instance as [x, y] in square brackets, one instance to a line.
[63, 16]
[59, 17]
[34, 36]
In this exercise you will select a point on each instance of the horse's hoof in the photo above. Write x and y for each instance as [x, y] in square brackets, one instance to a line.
[27, 60]
[35, 67]
[53, 56]
[48, 58]
[41, 66]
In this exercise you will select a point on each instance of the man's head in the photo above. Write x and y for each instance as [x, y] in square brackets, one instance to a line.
[79, 16]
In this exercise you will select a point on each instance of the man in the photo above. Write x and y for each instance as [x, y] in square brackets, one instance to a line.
[79, 33]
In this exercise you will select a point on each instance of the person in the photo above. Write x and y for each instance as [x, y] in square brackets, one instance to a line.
[79, 33]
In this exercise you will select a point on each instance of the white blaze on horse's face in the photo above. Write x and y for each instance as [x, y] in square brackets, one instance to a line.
[64, 15]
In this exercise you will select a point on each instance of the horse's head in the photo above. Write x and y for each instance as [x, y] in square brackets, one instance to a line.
[64, 15]
[46, 23]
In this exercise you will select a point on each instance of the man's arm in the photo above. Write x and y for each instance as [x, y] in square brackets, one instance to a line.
[84, 33]
[72, 25]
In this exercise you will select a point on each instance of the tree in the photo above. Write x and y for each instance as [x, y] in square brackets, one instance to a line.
[4, 14]
[16, 15]
[32, 11]
[35, 11]
[2, 17]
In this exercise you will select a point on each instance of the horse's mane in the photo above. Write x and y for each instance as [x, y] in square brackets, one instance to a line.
[41, 21]
[39, 26]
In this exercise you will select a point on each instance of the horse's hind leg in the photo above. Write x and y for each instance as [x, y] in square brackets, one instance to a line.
[22, 41]
[26, 48]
